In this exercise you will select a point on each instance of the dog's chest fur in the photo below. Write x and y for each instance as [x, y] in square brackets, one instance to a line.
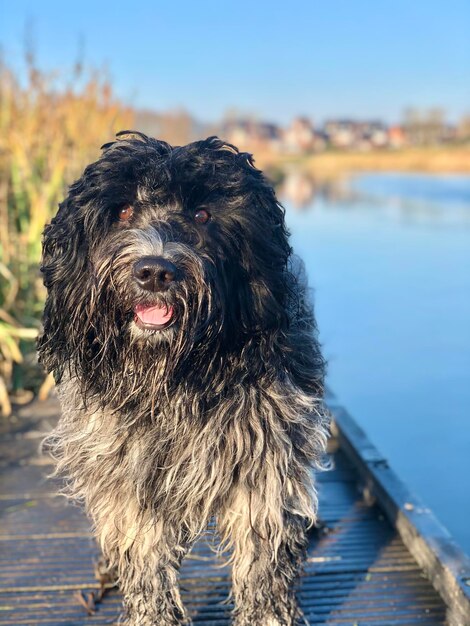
[181, 467]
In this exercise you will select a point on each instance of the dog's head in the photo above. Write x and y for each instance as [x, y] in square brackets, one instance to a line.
[163, 254]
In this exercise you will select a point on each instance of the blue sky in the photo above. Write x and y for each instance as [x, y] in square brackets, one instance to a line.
[272, 59]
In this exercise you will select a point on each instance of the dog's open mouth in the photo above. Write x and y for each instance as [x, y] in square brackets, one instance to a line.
[154, 317]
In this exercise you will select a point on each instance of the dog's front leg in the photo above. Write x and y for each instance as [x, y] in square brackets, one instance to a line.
[268, 550]
[148, 579]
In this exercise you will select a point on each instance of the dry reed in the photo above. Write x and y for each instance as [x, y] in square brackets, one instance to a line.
[48, 132]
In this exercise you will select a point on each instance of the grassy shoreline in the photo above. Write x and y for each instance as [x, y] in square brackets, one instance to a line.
[439, 160]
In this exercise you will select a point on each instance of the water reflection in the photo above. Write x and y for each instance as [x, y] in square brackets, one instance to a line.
[442, 200]
[300, 189]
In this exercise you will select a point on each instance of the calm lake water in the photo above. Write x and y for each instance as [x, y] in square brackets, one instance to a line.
[389, 258]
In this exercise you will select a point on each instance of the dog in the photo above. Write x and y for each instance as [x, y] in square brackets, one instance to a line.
[184, 348]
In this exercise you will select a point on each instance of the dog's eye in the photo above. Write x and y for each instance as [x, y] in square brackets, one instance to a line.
[202, 216]
[125, 213]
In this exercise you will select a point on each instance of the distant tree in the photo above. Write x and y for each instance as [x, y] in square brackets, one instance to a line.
[424, 128]
[435, 126]
[463, 128]
[176, 127]
[412, 125]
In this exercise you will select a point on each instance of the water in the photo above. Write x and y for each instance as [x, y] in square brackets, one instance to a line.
[389, 259]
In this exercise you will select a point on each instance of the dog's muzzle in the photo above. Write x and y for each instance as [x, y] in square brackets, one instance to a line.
[154, 273]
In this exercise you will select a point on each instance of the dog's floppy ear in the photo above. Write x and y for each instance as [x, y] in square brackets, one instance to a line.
[271, 286]
[267, 250]
[263, 248]
[63, 266]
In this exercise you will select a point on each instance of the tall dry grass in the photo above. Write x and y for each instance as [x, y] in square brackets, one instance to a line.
[428, 159]
[48, 132]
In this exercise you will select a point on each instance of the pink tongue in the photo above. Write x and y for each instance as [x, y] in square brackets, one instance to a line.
[156, 315]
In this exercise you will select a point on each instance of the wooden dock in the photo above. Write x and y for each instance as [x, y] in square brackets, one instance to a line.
[380, 558]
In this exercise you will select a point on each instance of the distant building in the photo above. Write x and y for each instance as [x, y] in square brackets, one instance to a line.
[340, 133]
[396, 137]
[356, 135]
[251, 134]
[375, 133]
[299, 137]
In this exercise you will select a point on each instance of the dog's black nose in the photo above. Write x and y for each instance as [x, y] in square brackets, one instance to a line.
[154, 273]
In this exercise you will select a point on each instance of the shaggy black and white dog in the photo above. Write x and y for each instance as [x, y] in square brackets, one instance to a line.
[188, 369]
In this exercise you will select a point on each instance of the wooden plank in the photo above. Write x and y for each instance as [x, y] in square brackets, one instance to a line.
[428, 541]
[357, 571]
